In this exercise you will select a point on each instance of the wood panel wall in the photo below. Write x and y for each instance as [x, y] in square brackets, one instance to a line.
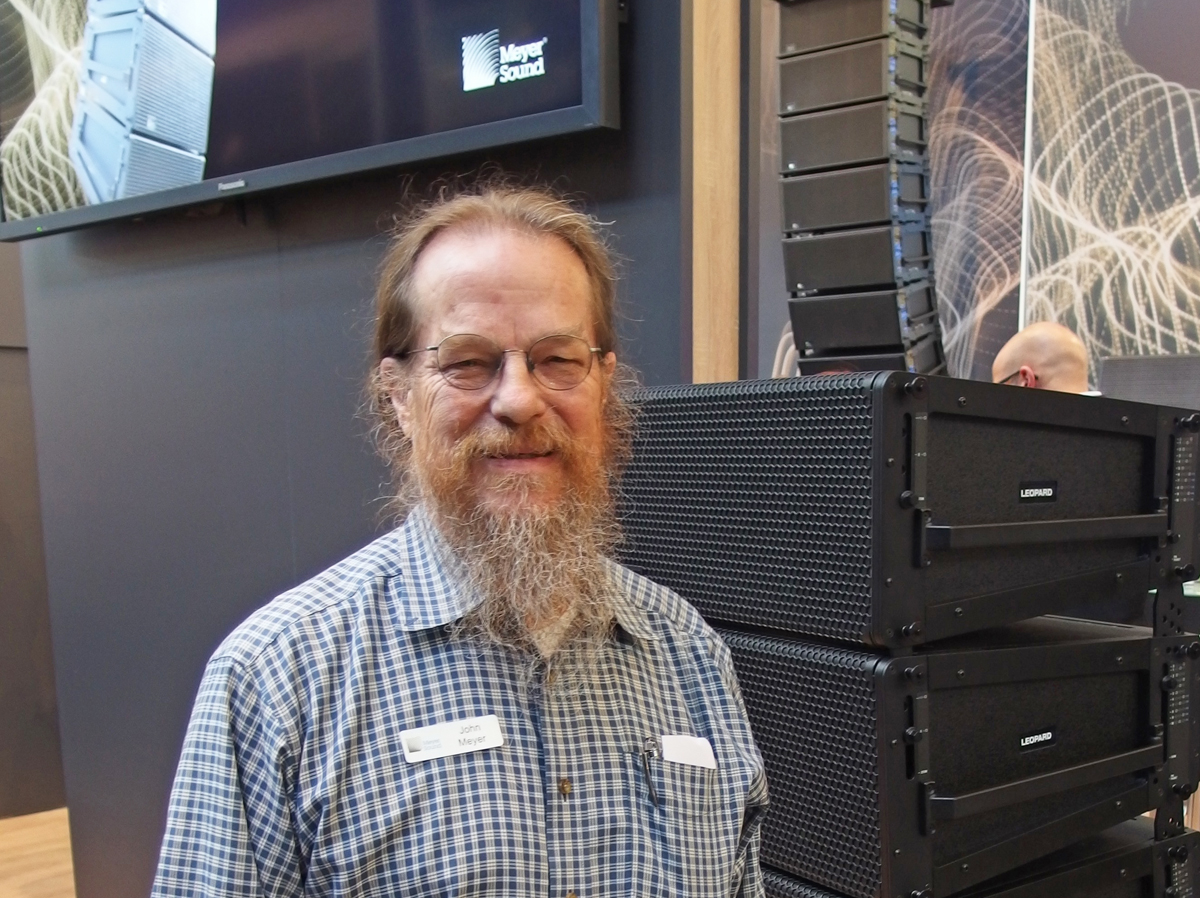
[715, 168]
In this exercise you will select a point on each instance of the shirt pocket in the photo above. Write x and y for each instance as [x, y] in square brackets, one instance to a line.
[684, 791]
[683, 818]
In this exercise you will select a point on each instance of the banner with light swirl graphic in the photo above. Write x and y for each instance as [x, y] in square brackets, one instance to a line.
[1114, 243]
[1113, 238]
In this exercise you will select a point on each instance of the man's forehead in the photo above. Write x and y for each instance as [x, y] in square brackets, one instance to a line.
[481, 264]
[489, 237]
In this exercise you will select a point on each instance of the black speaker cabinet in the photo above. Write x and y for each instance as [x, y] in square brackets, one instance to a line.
[872, 70]
[1122, 862]
[878, 131]
[806, 25]
[890, 509]
[860, 323]
[923, 357]
[939, 770]
[841, 261]
[883, 193]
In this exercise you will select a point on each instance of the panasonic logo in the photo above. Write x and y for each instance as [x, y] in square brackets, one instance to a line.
[485, 60]
[1037, 740]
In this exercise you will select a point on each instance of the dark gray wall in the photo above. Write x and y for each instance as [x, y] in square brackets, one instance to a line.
[195, 382]
[30, 762]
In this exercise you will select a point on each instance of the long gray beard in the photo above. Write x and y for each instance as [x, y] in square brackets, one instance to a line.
[533, 568]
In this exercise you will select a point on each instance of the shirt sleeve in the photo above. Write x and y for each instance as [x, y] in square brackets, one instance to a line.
[229, 832]
[751, 884]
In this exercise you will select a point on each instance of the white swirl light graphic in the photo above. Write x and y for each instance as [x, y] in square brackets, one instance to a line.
[979, 66]
[481, 59]
[1114, 249]
[37, 175]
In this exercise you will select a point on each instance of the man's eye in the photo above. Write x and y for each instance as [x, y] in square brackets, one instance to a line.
[466, 364]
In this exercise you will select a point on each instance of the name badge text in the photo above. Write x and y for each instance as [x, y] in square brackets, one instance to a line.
[455, 737]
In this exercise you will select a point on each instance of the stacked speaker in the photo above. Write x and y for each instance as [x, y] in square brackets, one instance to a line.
[927, 587]
[857, 247]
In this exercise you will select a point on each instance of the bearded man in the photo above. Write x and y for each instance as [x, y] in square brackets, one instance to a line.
[482, 702]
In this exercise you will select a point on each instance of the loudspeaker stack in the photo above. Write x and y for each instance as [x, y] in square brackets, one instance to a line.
[857, 246]
[956, 612]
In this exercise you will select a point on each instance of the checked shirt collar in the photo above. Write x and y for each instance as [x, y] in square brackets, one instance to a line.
[424, 592]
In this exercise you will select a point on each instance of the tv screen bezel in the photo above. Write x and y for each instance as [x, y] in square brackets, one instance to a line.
[599, 109]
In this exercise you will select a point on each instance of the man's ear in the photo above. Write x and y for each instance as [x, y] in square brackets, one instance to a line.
[395, 380]
[608, 365]
[1028, 378]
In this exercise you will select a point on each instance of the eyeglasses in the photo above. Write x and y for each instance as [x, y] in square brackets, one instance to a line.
[471, 362]
[1015, 374]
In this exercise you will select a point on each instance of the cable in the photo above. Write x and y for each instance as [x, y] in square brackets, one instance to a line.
[786, 355]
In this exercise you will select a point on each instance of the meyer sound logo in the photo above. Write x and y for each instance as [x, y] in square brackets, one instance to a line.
[1038, 491]
[485, 60]
[1040, 739]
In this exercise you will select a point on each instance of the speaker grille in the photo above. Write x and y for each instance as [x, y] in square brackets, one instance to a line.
[765, 519]
[813, 713]
[812, 24]
[782, 886]
[172, 89]
[155, 166]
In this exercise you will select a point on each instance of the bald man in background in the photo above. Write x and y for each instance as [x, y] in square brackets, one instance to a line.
[1045, 355]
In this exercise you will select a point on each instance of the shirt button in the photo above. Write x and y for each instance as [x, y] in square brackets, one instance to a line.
[572, 895]
[564, 789]
[551, 677]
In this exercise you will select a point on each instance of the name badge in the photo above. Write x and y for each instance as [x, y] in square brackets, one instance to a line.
[694, 750]
[457, 737]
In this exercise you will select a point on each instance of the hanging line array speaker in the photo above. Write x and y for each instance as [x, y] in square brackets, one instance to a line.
[854, 183]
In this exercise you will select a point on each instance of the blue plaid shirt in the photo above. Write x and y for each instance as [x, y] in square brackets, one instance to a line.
[293, 781]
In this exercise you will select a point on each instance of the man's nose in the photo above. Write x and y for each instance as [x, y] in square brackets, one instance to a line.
[518, 397]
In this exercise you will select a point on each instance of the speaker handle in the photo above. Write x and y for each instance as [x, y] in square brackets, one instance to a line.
[1017, 533]
[967, 870]
[958, 806]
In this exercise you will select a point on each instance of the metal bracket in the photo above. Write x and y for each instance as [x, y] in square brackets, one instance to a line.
[1170, 611]
[920, 742]
[918, 471]
[1168, 818]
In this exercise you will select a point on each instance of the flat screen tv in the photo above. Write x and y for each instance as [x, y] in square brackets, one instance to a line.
[117, 108]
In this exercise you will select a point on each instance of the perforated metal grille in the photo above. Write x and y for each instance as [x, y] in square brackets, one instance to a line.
[780, 885]
[753, 500]
[172, 90]
[156, 166]
[813, 713]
